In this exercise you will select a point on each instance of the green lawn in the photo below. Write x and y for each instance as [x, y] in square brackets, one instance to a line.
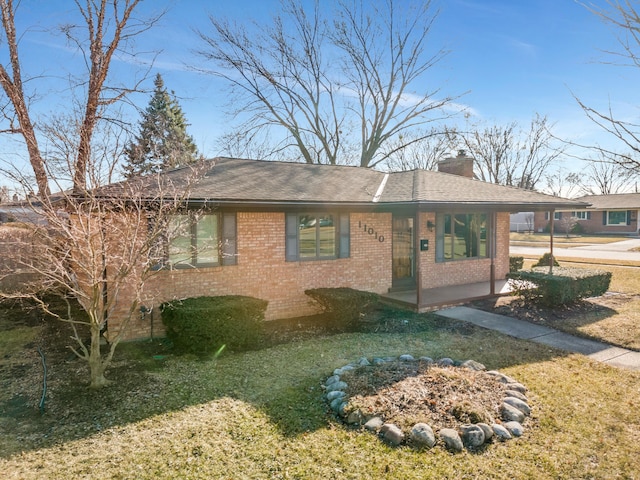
[261, 415]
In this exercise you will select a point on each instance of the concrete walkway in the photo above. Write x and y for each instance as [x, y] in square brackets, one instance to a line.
[601, 352]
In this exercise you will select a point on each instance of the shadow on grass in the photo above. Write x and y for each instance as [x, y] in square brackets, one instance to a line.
[574, 319]
[283, 380]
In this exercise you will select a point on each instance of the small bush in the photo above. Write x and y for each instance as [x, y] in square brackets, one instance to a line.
[577, 229]
[545, 261]
[203, 325]
[343, 307]
[564, 286]
[516, 263]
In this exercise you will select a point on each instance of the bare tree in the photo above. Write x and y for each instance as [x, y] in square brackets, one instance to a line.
[317, 83]
[13, 86]
[530, 221]
[568, 222]
[562, 183]
[88, 247]
[605, 175]
[512, 155]
[108, 29]
[623, 15]
[419, 150]
[94, 248]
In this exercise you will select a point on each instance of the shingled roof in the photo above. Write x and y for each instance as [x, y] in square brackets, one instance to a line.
[242, 182]
[618, 201]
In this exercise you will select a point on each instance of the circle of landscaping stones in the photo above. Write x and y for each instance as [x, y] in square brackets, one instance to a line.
[514, 409]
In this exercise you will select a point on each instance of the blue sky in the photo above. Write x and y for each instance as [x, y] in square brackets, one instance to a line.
[513, 57]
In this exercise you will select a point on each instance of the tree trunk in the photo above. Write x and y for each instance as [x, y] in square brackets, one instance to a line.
[97, 365]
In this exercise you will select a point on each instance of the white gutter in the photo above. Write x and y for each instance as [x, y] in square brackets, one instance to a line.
[376, 197]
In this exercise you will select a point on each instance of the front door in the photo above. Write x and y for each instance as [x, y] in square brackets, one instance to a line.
[403, 264]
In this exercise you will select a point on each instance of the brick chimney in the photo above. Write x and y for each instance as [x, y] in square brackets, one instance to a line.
[461, 165]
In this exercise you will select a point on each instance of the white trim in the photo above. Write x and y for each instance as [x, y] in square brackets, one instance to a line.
[376, 197]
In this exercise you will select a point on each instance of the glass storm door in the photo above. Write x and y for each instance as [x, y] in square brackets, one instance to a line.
[403, 246]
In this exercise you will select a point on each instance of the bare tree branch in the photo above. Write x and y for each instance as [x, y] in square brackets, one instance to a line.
[320, 81]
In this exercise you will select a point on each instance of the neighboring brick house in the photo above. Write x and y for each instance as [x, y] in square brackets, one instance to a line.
[615, 214]
[282, 228]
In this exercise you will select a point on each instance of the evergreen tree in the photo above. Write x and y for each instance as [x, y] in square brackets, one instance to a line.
[163, 142]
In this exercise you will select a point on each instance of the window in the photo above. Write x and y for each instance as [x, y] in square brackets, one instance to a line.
[582, 215]
[461, 236]
[316, 236]
[616, 217]
[201, 240]
[556, 215]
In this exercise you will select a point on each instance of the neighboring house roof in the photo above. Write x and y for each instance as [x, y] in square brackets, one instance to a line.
[241, 181]
[619, 201]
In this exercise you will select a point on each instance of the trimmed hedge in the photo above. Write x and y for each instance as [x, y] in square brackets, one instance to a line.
[564, 286]
[516, 263]
[343, 307]
[203, 325]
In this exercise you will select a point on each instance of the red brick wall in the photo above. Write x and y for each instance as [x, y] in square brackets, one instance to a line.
[262, 271]
[442, 274]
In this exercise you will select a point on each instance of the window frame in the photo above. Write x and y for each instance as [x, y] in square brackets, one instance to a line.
[581, 215]
[225, 238]
[556, 216]
[626, 218]
[443, 237]
[341, 237]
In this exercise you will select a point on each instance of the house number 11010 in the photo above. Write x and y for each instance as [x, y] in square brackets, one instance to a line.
[371, 231]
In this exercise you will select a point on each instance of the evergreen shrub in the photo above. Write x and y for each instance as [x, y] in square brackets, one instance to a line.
[343, 307]
[564, 286]
[204, 325]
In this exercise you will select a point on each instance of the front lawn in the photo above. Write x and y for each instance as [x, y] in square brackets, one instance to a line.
[261, 414]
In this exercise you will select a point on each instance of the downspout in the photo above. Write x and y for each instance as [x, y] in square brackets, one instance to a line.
[416, 249]
[552, 214]
[493, 250]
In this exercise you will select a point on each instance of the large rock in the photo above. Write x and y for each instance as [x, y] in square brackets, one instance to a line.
[515, 428]
[451, 439]
[518, 387]
[391, 433]
[336, 386]
[511, 413]
[488, 431]
[422, 435]
[331, 396]
[374, 424]
[501, 433]
[331, 380]
[473, 365]
[519, 404]
[472, 436]
[516, 394]
[501, 377]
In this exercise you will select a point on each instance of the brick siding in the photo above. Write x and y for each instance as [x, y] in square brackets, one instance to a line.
[262, 271]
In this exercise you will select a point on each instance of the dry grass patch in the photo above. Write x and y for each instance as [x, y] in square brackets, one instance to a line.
[261, 415]
[236, 423]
